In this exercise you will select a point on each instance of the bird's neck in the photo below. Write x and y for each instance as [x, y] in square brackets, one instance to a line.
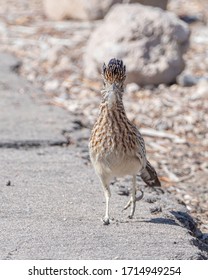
[112, 98]
[112, 106]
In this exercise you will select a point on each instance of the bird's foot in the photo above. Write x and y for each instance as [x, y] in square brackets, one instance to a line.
[131, 203]
[106, 221]
[127, 205]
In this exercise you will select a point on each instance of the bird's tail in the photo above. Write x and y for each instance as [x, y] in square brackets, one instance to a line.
[149, 176]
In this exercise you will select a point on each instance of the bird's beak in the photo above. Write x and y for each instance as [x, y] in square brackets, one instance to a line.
[113, 87]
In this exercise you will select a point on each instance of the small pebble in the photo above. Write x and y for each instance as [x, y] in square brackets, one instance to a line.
[156, 209]
[122, 190]
[151, 199]
[51, 85]
[8, 183]
[186, 80]
[132, 88]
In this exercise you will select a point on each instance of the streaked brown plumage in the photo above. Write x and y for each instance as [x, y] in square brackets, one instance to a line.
[116, 146]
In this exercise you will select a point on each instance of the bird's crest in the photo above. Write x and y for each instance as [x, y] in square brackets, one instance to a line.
[114, 72]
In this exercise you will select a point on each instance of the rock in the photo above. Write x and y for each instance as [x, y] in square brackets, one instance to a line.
[88, 10]
[155, 3]
[64, 65]
[149, 40]
[132, 88]
[77, 9]
[201, 89]
[155, 209]
[8, 183]
[191, 18]
[51, 85]
[186, 80]
[205, 238]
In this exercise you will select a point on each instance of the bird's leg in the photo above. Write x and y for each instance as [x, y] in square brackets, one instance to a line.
[133, 196]
[132, 201]
[106, 188]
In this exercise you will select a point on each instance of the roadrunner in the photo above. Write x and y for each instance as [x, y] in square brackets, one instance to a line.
[116, 146]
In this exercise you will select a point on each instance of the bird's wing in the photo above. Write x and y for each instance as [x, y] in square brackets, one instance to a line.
[148, 174]
[141, 151]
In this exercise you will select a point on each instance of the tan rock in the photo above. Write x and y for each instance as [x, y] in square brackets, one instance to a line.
[77, 9]
[149, 40]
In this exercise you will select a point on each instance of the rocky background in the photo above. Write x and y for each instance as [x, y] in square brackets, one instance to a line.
[61, 50]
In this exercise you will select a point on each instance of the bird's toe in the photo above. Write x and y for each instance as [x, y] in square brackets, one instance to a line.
[106, 221]
[127, 205]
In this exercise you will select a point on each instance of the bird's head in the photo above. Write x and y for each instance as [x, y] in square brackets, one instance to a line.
[114, 74]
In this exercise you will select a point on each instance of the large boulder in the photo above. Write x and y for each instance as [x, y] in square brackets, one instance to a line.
[88, 9]
[77, 9]
[155, 3]
[149, 40]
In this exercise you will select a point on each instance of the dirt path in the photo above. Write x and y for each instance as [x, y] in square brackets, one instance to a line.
[51, 203]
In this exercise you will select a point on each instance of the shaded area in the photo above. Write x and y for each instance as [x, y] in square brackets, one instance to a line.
[188, 222]
[27, 144]
[165, 221]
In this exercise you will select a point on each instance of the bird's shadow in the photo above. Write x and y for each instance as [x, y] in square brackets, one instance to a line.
[166, 221]
[180, 218]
